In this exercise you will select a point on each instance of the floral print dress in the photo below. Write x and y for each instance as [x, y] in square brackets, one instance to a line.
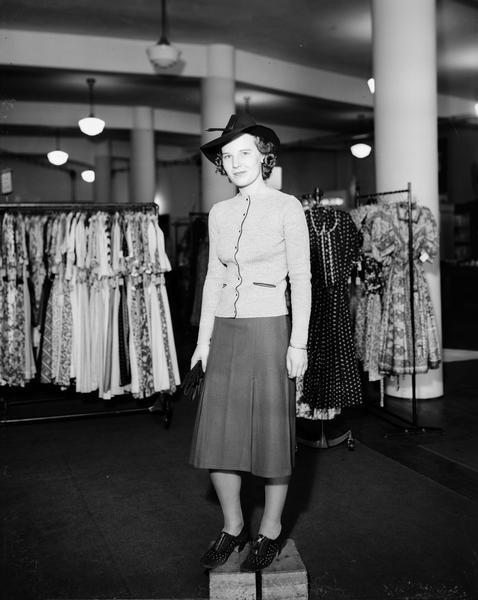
[389, 238]
[368, 297]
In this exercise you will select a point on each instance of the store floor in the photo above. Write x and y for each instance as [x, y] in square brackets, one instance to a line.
[109, 508]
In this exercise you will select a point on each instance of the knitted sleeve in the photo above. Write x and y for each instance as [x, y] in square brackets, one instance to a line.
[212, 284]
[296, 235]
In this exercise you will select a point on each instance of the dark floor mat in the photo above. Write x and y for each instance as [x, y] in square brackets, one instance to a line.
[461, 451]
[110, 508]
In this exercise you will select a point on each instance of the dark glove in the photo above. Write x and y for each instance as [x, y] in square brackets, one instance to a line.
[193, 381]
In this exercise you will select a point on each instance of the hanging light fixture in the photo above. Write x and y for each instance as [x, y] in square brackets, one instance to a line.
[57, 157]
[476, 109]
[360, 150]
[91, 125]
[88, 175]
[163, 54]
[371, 85]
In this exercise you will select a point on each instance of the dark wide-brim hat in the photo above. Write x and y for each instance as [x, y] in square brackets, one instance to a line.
[236, 126]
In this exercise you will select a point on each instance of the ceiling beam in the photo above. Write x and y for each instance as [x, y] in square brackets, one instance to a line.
[66, 115]
[115, 55]
[79, 52]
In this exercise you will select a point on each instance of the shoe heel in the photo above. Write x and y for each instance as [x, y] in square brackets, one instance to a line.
[281, 546]
[241, 546]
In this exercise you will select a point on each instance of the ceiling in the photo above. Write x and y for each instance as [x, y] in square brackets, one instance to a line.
[334, 35]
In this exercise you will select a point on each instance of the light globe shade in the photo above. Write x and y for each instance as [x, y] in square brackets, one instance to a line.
[360, 150]
[88, 175]
[371, 85]
[57, 157]
[476, 109]
[163, 55]
[91, 125]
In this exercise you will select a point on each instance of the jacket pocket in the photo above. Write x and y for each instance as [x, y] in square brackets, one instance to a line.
[269, 285]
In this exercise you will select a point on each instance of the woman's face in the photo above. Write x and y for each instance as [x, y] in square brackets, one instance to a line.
[242, 160]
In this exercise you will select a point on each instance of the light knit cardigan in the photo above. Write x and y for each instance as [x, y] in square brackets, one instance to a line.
[255, 242]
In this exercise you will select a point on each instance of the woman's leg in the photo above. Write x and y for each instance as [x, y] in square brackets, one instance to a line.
[275, 495]
[228, 489]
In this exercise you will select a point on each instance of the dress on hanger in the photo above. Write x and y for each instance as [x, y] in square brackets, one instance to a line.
[389, 237]
[332, 380]
[16, 356]
[368, 306]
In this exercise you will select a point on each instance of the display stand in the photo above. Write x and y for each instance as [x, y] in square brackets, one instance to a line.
[284, 579]
[309, 200]
[161, 401]
[407, 426]
[324, 442]
[50, 207]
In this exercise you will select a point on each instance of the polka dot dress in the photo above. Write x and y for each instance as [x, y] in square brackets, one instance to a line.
[332, 379]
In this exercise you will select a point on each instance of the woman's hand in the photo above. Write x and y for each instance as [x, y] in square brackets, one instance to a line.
[201, 353]
[296, 362]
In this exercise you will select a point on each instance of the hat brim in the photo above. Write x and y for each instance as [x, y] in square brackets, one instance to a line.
[210, 149]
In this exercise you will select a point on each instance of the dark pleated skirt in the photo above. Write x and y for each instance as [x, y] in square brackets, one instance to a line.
[246, 414]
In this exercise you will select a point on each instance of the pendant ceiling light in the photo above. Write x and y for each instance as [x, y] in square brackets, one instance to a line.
[57, 157]
[91, 125]
[163, 54]
[360, 150]
[88, 175]
[371, 85]
[476, 109]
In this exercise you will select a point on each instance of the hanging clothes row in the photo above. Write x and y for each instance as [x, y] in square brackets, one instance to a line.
[383, 331]
[85, 300]
[332, 379]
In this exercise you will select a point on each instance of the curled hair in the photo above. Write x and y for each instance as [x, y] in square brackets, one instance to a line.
[267, 149]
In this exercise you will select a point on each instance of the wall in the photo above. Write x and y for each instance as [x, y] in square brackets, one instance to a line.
[36, 183]
[303, 171]
[36, 180]
[178, 190]
[462, 153]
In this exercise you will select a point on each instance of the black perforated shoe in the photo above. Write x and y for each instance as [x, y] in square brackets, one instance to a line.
[262, 553]
[223, 547]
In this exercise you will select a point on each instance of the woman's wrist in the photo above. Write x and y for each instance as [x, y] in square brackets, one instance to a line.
[297, 347]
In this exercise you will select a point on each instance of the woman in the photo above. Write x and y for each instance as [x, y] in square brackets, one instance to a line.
[248, 349]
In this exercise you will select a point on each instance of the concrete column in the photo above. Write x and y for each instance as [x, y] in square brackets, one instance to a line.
[217, 105]
[406, 147]
[103, 172]
[143, 156]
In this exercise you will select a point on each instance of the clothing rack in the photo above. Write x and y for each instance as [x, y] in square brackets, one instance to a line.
[323, 442]
[161, 402]
[409, 426]
[74, 206]
[312, 198]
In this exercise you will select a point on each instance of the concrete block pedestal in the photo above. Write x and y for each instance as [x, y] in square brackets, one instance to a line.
[284, 579]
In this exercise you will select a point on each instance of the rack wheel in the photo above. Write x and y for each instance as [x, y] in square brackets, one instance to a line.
[3, 405]
[163, 409]
[168, 415]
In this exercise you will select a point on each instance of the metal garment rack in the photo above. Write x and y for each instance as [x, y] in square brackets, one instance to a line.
[323, 442]
[407, 426]
[50, 207]
[161, 401]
